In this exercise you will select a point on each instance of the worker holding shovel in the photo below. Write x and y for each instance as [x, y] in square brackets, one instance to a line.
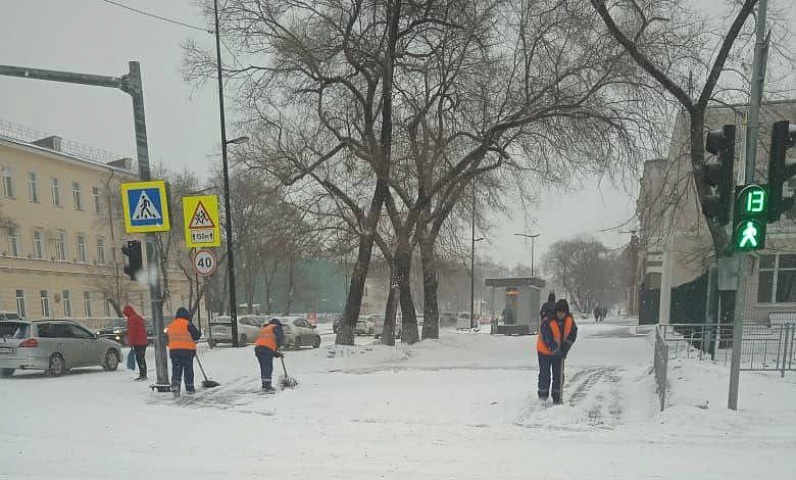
[269, 340]
[556, 336]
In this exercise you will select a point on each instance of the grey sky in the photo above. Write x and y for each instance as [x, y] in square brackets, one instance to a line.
[92, 36]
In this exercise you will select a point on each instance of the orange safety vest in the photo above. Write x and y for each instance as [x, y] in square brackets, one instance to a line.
[542, 347]
[266, 337]
[179, 335]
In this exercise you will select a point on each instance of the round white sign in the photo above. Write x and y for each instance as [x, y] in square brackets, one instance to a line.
[204, 262]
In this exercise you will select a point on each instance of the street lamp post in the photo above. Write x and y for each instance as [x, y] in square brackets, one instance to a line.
[233, 304]
[533, 249]
[472, 265]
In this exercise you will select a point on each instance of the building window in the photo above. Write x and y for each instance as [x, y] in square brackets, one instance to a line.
[33, 189]
[45, 304]
[106, 305]
[8, 182]
[60, 246]
[66, 298]
[38, 248]
[87, 304]
[777, 279]
[56, 192]
[101, 250]
[95, 194]
[81, 249]
[13, 241]
[76, 196]
[21, 311]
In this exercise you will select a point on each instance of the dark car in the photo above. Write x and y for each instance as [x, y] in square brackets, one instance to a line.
[117, 331]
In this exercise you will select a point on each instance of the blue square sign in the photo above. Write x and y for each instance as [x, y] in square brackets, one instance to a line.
[145, 207]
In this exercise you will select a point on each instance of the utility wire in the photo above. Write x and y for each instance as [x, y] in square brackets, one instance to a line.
[158, 17]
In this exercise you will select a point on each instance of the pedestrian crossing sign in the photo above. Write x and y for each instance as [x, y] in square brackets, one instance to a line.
[146, 207]
[200, 217]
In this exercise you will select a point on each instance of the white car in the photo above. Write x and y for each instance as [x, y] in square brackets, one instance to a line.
[248, 328]
[299, 333]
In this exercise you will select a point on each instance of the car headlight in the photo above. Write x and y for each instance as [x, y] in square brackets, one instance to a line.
[117, 330]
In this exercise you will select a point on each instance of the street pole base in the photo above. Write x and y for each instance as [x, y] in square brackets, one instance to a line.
[160, 387]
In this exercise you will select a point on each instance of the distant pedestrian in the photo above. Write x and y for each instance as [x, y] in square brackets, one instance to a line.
[556, 336]
[182, 335]
[549, 307]
[269, 340]
[137, 339]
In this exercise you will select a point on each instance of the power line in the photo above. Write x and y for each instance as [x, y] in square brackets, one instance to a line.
[158, 17]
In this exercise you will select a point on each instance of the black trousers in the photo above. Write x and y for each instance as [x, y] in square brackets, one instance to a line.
[140, 359]
[549, 375]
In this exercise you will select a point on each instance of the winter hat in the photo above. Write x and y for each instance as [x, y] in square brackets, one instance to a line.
[562, 305]
[182, 312]
[551, 297]
[128, 310]
[275, 321]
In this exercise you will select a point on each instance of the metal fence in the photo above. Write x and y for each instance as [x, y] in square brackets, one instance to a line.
[661, 365]
[763, 348]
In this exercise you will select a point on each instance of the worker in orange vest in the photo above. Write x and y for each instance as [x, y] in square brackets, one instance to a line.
[269, 341]
[182, 336]
[556, 336]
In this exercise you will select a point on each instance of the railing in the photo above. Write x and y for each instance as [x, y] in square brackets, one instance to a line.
[763, 348]
[660, 366]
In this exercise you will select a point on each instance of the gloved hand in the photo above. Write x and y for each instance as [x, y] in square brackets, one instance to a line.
[565, 347]
[560, 353]
[278, 354]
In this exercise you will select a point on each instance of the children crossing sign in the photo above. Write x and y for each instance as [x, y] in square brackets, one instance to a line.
[146, 207]
[200, 217]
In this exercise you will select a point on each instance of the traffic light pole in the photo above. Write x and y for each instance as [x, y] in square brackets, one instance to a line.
[745, 266]
[130, 84]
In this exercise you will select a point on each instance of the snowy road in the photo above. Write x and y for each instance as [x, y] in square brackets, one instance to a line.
[460, 408]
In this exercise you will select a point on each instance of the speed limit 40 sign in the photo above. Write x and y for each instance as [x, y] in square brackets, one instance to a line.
[204, 262]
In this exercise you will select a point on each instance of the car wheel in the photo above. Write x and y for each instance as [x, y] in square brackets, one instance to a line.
[211, 344]
[111, 360]
[297, 342]
[6, 372]
[317, 342]
[57, 365]
[243, 340]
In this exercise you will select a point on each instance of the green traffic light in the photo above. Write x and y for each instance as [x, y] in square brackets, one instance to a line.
[755, 200]
[750, 235]
[750, 214]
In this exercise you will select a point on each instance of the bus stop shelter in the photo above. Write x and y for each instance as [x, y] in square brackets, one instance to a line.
[517, 302]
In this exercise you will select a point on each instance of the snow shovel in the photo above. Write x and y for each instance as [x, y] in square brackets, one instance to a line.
[286, 381]
[207, 383]
[561, 381]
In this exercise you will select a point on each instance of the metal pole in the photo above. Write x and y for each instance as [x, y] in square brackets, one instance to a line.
[756, 97]
[744, 263]
[472, 262]
[533, 256]
[134, 87]
[233, 304]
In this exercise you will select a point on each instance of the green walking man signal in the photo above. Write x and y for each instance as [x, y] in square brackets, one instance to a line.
[751, 213]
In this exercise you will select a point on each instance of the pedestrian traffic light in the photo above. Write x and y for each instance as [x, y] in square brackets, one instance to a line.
[134, 260]
[750, 215]
[783, 135]
[719, 174]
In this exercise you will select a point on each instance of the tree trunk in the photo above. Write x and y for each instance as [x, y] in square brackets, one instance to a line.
[403, 263]
[388, 333]
[291, 264]
[430, 290]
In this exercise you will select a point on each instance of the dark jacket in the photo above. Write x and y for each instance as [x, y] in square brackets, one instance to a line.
[548, 309]
[546, 334]
[279, 332]
[136, 328]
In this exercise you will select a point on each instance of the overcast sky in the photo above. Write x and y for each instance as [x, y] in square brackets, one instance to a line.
[92, 36]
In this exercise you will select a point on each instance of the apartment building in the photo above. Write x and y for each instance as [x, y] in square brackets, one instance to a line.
[61, 232]
[675, 244]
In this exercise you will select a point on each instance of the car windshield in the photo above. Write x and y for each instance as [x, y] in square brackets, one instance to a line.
[16, 330]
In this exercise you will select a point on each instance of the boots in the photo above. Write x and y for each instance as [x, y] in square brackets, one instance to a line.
[140, 378]
[267, 388]
[556, 398]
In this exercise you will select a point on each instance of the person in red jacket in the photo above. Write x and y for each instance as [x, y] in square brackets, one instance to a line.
[137, 339]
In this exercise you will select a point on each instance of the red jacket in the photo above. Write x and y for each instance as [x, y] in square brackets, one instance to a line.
[136, 328]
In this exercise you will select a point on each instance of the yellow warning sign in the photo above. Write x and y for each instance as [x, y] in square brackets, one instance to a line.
[200, 217]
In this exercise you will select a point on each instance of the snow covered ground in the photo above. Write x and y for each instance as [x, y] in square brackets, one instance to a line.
[463, 407]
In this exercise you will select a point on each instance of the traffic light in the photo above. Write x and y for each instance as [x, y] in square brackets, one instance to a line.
[750, 215]
[134, 260]
[783, 135]
[719, 175]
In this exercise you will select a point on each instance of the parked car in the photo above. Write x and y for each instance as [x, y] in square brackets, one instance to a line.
[299, 333]
[55, 346]
[8, 316]
[117, 331]
[364, 326]
[463, 321]
[248, 328]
